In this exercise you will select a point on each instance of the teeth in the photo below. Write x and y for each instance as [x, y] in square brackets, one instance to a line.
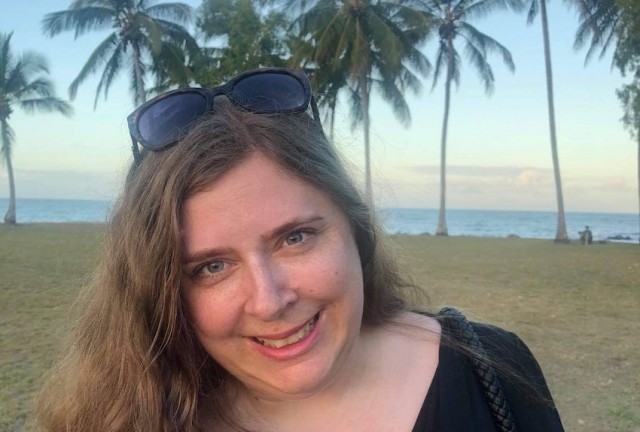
[300, 334]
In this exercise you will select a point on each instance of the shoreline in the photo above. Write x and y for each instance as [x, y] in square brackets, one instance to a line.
[511, 237]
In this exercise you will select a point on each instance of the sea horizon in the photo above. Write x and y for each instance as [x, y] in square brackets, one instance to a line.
[4, 201]
[620, 226]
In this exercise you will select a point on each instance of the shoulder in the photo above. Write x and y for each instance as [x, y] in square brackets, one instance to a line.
[503, 349]
[524, 383]
[501, 346]
[409, 333]
[512, 356]
[421, 322]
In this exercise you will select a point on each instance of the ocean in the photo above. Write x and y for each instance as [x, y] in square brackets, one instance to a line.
[480, 223]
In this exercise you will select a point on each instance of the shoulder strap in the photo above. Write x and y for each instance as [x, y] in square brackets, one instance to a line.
[462, 330]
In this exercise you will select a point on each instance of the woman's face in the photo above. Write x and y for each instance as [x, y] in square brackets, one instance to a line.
[273, 281]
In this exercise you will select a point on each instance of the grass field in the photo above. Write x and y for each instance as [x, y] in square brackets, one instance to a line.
[577, 307]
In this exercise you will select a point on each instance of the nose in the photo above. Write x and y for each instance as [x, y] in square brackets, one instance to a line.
[268, 292]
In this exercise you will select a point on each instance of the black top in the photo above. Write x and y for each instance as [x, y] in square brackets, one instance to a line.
[456, 401]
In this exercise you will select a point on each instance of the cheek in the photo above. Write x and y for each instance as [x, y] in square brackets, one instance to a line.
[341, 275]
[210, 316]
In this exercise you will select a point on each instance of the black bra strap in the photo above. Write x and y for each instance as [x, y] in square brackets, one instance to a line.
[463, 331]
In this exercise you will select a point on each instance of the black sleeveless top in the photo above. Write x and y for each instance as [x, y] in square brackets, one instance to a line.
[456, 401]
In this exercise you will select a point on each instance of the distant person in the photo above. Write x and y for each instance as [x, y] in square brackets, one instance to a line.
[586, 237]
[245, 286]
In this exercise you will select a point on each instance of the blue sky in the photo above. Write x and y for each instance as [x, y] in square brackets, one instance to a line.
[498, 150]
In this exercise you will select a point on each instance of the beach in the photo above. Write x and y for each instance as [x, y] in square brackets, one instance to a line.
[575, 306]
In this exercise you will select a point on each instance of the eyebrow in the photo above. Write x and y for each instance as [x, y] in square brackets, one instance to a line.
[283, 229]
[275, 233]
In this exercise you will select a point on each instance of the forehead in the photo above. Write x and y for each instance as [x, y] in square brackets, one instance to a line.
[256, 195]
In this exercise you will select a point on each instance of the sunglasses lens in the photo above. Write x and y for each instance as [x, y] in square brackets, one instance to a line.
[167, 120]
[270, 92]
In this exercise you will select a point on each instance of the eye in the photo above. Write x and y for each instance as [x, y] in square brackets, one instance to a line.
[213, 267]
[294, 238]
[209, 270]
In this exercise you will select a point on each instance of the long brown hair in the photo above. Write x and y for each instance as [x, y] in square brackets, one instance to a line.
[133, 363]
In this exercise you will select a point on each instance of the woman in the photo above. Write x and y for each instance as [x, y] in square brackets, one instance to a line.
[244, 286]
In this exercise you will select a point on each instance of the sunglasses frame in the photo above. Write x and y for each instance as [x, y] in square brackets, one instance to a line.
[210, 94]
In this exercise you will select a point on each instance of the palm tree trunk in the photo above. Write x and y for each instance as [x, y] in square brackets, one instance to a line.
[561, 229]
[442, 220]
[141, 97]
[364, 94]
[332, 108]
[10, 216]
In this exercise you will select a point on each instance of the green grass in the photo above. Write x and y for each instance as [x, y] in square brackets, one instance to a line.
[41, 268]
[577, 307]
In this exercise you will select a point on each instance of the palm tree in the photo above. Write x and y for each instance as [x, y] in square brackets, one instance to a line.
[364, 45]
[264, 46]
[598, 20]
[535, 7]
[449, 17]
[23, 84]
[629, 96]
[140, 30]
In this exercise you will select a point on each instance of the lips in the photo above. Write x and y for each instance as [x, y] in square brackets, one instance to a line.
[285, 340]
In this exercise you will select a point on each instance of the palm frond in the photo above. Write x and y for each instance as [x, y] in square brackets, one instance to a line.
[15, 79]
[609, 39]
[457, 68]
[487, 44]
[21, 71]
[598, 21]
[40, 87]
[112, 67]
[23, 83]
[357, 116]
[441, 63]
[33, 63]
[152, 31]
[477, 58]
[134, 87]
[97, 59]
[178, 12]
[47, 104]
[177, 35]
[169, 64]
[81, 20]
[534, 9]
[394, 96]
[483, 8]
[298, 6]
[410, 81]
[6, 57]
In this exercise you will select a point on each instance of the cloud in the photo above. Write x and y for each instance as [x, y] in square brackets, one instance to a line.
[473, 178]
[509, 187]
[475, 170]
[531, 177]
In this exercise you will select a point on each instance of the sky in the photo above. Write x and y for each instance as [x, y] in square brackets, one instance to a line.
[499, 154]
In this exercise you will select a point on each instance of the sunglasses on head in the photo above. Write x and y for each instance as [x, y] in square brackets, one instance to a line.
[165, 119]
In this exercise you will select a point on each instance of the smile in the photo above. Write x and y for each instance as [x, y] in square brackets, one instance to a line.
[304, 331]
